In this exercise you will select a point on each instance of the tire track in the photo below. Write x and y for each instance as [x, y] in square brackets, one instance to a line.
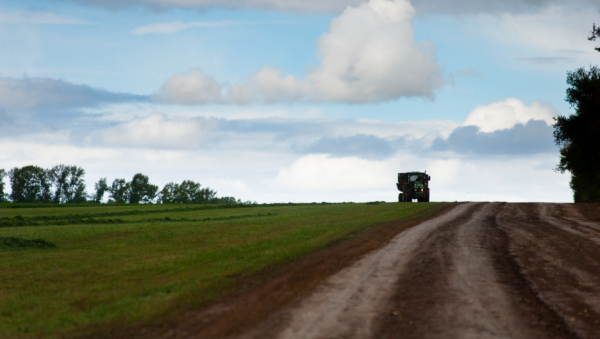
[347, 304]
[464, 284]
[483, 270]
[559, 255]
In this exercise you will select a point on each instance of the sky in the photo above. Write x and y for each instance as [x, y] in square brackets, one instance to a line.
[296, 101]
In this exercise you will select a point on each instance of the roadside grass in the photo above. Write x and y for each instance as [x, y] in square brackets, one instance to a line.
[100, 265]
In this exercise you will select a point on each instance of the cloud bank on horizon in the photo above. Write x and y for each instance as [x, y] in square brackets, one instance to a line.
[324, 133]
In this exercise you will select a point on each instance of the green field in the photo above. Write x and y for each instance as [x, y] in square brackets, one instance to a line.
[95, 265]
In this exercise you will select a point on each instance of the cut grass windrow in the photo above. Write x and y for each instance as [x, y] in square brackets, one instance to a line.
[20, 221]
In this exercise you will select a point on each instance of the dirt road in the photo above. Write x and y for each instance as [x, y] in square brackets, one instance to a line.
[479, 270]
[482, 270]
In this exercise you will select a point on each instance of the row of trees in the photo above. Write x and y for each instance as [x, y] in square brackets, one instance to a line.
[578, 135]
[66, 184]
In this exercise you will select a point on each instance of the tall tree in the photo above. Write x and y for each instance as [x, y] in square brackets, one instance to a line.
[119, 190]
[69, 183]
[3, 195]
[141, 190]
[168, 194]
[206, 196]
[100, 188]
[30, 184]
[578, 135]
[188, 192]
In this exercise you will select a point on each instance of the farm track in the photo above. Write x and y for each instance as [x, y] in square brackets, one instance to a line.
[482, 270]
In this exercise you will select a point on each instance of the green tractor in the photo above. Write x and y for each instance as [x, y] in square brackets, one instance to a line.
[413, 185]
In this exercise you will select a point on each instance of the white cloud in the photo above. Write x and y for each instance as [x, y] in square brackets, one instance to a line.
[368, 55]
[321, 173]
[16, 16]
[156, 131]
[193, 87]
[252, 160]
[556, 34]
[176, 26]
[506, 114]
[511, 179]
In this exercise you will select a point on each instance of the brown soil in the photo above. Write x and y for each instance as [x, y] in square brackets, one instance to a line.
[484, 270]
[464, 283]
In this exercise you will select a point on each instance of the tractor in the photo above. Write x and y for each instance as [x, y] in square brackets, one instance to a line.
[413, 185]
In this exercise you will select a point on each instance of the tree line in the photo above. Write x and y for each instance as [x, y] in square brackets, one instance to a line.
[66, 184]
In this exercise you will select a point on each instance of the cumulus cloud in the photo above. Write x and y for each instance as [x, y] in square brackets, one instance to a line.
[508, 113]
[46, 93]
[533, 137]
[368, 55]
[508, 127]
[193, 87]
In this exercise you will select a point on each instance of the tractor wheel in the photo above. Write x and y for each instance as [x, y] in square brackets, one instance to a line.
[426, 199]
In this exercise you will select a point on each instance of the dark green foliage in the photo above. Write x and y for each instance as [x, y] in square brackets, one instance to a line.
[3, 196]
[119, 191]
[101, 187]
[110, 218]
[167, 194]
[69, 184]
[140, 190]
[188, 192]
[578, 135]
[30, 184]
[595, 35]
[12, 243]
[230, 201]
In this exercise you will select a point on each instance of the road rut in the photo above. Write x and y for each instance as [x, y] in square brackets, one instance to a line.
[483, 270]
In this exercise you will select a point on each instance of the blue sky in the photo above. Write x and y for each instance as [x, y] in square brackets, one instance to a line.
[303, 101]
